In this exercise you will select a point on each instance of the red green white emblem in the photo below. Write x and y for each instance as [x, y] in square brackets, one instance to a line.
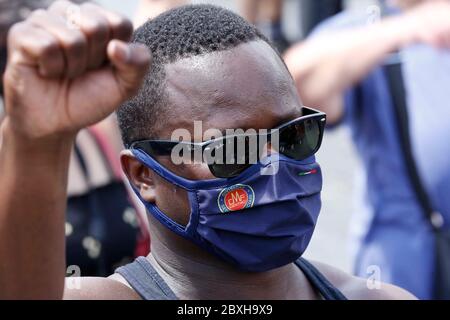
[235, 198]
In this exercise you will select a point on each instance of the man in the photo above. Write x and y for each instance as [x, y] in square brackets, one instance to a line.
[49, 99]
[341, 70]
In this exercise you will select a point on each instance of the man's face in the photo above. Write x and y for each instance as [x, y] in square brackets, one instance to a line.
[247, 87]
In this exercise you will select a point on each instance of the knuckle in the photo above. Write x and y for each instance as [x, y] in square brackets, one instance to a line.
[124, 24]
[48, 47]
[16, 33]
[96, 28]
[76, 41]
[37, 14]
[16, 29]
[75, 45]
[95, 24]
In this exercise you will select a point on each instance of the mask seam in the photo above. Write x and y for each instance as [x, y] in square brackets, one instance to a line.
[249, 176]
[225, 184]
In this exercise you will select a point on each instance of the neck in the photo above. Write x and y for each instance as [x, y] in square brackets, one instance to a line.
[194, 274]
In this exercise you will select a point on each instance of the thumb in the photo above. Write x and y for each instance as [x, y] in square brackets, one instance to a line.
[131, 63]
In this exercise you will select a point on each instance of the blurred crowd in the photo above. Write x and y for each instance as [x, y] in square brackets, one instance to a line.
[384, 79]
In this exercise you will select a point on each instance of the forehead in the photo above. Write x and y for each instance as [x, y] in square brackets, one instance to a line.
[245, 87]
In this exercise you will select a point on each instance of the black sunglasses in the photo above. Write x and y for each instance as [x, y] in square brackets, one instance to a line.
[229, 156]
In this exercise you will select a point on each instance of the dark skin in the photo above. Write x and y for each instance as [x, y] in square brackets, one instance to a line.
[248, 88]
[222, 100]
[55, 84]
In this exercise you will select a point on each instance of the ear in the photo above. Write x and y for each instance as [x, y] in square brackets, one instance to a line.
[140, 177]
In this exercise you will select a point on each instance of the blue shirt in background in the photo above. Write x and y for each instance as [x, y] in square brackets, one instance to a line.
[389, 231]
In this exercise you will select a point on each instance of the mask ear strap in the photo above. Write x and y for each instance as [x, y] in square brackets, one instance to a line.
[187, 232]
[186, 184]
[184, 231]
[161, 216]
[161, 171]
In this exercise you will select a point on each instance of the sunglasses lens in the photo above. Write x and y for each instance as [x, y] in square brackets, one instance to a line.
[300, 140]
[233, 155]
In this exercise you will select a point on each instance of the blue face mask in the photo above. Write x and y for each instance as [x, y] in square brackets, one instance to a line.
[256, 221]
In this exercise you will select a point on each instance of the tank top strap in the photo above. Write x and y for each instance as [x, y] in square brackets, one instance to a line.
[319, 282]
[144, 279]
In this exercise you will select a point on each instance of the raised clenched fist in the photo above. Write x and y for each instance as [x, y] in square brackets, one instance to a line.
[69, 67]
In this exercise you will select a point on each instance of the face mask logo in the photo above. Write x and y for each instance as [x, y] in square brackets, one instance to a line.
[235, 198]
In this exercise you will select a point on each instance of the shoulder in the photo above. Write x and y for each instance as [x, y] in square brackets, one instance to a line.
[85, 288]
[355, 288]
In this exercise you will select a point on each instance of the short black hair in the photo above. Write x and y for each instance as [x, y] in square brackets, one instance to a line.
[180, 33]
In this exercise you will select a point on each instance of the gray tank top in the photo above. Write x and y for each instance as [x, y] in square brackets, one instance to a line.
[144, 279]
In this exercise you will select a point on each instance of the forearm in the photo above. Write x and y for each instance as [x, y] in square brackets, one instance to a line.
[33, 180]
[330, 64]
[51, 92]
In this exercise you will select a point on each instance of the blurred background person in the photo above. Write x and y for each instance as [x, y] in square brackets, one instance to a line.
[341, 69]
[104, 226]
[312, 12]
[267, 16]
[104, 229]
